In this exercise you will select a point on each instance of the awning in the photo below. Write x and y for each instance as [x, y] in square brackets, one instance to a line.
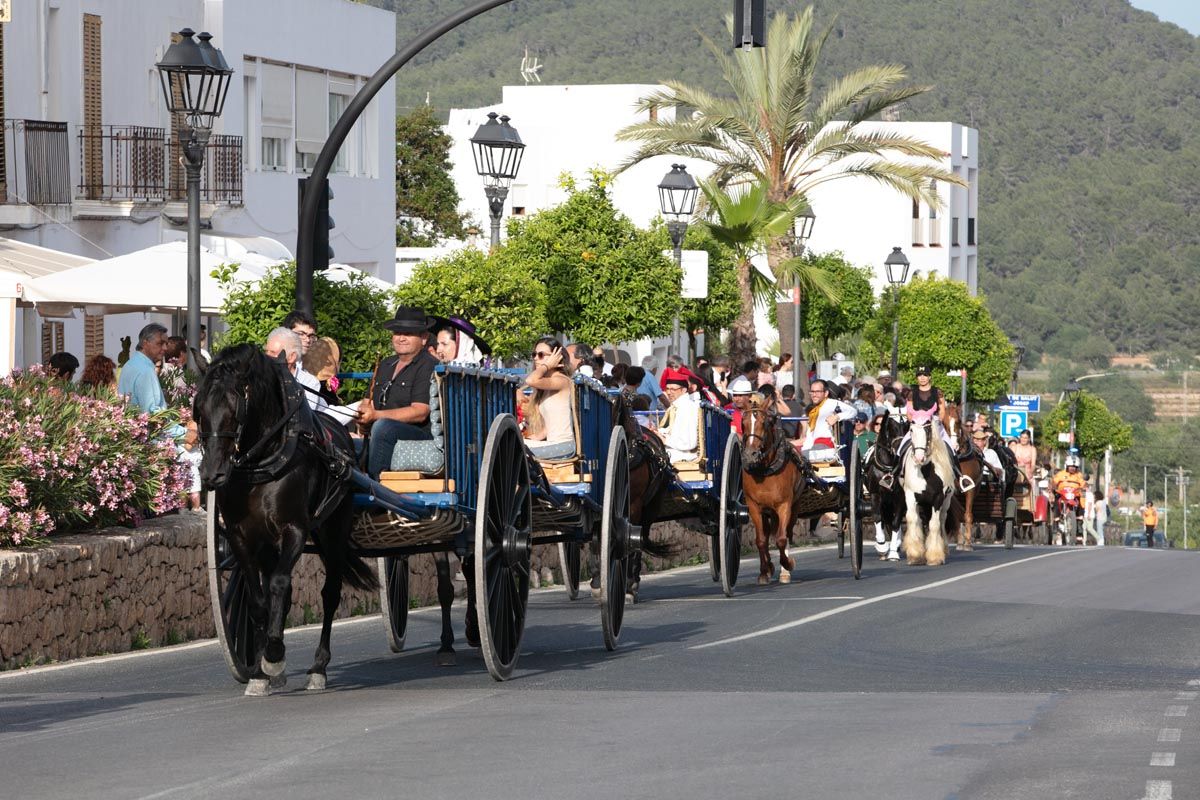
[146, 280]
[21, 263]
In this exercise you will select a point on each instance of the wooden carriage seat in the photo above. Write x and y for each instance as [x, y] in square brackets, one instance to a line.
[420, 466]
[695, 469]
[569, 469]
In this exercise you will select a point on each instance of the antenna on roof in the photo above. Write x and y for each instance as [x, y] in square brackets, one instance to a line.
[531, 68]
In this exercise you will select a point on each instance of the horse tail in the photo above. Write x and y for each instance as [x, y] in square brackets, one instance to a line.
[356, 572]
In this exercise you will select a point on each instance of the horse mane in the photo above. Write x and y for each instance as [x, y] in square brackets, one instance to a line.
[238, 366]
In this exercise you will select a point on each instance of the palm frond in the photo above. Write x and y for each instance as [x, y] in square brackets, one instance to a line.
[854, 88]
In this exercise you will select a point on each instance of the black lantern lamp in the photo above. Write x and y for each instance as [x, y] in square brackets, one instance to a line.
[677, 193]
[897, 273]
[498, 149]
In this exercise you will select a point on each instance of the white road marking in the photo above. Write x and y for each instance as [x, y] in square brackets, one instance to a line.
[881, 598]
[1169, 735]
[1162, 759]
[1157, 790]
[1176, 711]
[1186, 695]
[1194, 683]
[724, 599]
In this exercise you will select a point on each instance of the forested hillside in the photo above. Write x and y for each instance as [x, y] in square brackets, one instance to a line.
[1088, 113]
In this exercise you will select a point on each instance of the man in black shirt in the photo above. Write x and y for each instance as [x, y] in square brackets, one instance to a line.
[398, 408]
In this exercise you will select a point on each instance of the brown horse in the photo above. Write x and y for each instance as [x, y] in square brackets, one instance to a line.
[970, 464]
[773, 479]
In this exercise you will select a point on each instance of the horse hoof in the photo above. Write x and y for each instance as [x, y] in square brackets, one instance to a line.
[258, 687]
[785, 576]
[965, 547]
[764, 580]
[316, 682]
[445, 659]
[893, 557]
[916, 562]
[279, 681]
[273, 668]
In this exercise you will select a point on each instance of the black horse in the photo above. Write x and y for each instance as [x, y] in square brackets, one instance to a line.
[887, 504]
[649, 486]
[280, 475]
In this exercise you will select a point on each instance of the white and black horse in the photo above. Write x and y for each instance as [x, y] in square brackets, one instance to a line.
[927, 477]
[887, 502]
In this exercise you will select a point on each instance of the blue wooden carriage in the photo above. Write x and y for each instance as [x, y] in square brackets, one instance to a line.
[473, 490]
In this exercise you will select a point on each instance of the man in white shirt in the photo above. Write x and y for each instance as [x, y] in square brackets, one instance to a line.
[820, 436]
[680, 428]
[282, 340]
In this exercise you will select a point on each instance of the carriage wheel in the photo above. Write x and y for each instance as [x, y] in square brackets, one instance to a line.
[230, 597]
[732, 511]
[569, 563]
[618, 539]
[853, 515]
[1010, 522]
[503, 540]
[393, 599]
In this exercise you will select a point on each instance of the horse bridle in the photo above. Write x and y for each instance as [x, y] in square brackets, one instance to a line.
[927, 426]
[241, 458]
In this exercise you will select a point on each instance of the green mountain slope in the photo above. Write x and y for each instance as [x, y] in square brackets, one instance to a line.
[1087, 109]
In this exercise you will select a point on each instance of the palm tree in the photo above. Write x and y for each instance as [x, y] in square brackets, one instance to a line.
[773, 132]
[745, 222]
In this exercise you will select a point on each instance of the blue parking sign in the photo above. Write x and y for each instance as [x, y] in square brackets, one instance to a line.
[1012, 422]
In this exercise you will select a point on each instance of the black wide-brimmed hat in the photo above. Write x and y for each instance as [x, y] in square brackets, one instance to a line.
[408, 320]
[463, 326]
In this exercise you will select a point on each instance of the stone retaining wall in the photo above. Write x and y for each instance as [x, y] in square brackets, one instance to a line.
[121, 589]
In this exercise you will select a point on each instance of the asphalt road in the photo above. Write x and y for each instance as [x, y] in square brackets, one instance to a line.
[1031, 673]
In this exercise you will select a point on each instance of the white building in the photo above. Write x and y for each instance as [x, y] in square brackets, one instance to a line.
[87, 160]
[570, 129]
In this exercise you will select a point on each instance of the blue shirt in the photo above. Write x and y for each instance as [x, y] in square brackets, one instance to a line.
[139, 383]
[649, 387]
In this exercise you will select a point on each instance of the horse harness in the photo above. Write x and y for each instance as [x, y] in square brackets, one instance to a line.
[783, 454]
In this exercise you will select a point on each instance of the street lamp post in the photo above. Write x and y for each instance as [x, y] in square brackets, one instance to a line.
[677, 194]
[194, 79]
[801, 229]
[1072, 392]
[498, 150]
[897, 273]
[1018, 356]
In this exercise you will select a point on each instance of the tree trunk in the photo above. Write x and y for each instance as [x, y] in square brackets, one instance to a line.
[743, 338]
[778, 251]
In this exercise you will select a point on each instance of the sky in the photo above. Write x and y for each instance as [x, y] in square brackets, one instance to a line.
[1184, 13]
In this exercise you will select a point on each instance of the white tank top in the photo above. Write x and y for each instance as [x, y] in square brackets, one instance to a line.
[556, 417]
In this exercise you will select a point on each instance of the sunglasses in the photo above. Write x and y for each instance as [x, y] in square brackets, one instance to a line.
[541, 354]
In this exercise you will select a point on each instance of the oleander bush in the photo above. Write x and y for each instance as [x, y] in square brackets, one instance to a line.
[73, 458]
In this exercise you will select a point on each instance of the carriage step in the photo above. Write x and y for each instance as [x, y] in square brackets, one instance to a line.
[410, 485]
[829, 470]
[692, 476]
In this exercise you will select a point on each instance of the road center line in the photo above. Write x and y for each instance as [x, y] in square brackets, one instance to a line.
[1176, 711]
[1162, 759]
[1186, 695]
[881, 598]
[1169, 735]
[724, 599]
[1157, 790]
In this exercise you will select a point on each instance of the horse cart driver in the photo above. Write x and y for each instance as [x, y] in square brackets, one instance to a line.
[679, 430]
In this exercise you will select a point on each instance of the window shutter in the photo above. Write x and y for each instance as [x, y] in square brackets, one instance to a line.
[276, 90]
[93, 336]
[52, 339]
[312, 110]
[93, 117]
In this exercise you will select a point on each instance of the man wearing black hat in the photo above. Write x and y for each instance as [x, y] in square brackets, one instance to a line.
[398, 408]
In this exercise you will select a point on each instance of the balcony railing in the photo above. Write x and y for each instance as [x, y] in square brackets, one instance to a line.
[35, 163]
[221, 177]
[122, 162]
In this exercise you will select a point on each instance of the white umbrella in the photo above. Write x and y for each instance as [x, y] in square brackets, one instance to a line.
[154, 278]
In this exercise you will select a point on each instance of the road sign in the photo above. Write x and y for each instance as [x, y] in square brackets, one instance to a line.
[1012, 422]
[1027, 402]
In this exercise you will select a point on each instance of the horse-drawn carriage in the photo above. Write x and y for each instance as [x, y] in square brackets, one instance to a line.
[473, 490]
[705, 493]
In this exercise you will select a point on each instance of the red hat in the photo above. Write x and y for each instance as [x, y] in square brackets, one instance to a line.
[675, 377]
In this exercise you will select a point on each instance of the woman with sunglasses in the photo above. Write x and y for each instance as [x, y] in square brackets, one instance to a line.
[549, 433]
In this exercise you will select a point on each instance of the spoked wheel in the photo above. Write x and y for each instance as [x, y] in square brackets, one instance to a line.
[841, 534]
[714, 556]
[503, 539]
[853, 514]
[230, 596]
[393, 599]
[1010, 522]
[619, 539]
[568, 561]
[732, 515]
